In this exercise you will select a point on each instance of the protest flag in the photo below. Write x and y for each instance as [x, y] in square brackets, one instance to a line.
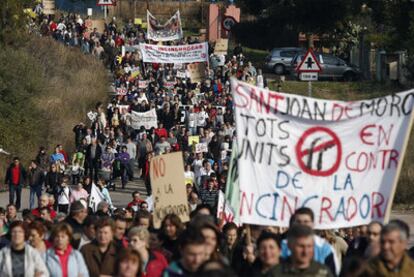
[95, 198]
[232, 195]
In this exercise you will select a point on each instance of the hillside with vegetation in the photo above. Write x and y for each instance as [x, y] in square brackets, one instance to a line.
[45, 89]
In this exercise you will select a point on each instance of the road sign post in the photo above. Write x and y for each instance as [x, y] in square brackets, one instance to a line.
[308, 69]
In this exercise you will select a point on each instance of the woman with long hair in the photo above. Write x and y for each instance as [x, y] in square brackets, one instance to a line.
[171, 228]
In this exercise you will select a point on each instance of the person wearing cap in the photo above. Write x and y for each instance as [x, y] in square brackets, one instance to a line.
[76, 218]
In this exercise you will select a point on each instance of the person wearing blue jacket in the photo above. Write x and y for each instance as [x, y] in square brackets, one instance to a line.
[62, 259]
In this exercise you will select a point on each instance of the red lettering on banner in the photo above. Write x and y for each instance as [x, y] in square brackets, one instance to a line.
[250, 95]
[226, 217]
[393, 157]
[285, 203]
[380, 137]
[249, 205]
[158, 168]
[383, 136]
[348, 109]
[363, 161]
[240, 91]
[364, 133]
[325, 209]
[349, 217]
[334, 108]
[377, 205]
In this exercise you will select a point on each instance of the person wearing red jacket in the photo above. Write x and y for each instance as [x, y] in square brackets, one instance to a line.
[161, 131]
[154, 261]
[119, 41]
[44, 202]
[136, 201]
[52, 26]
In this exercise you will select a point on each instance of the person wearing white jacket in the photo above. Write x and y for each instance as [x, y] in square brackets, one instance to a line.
[20, 259]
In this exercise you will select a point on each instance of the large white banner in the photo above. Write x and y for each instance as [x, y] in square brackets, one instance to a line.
[338, 158]
[170, 30]
[146, 119]
[174, 54]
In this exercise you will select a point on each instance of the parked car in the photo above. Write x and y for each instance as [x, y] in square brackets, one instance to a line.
[332, 67]
[279, 59]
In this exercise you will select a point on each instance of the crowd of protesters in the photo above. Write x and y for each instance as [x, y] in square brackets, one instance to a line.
[63, 236]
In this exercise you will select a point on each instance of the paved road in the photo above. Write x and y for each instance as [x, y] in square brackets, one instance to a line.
[121, 197]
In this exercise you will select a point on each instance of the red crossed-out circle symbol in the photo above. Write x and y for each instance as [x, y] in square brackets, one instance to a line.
[311, 147]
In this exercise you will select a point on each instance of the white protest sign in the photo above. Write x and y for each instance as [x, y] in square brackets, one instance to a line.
[92, 115]
[201, 147]
[169, 192]
[142, 84]
[121, 91]
[181, 74]
[197, 72]
[146, 119]
[105, 2]
[169, 84]
[170, 30]
[221, 46]
[174, 54]
[341, 159]
[95, 198]
[123, 109]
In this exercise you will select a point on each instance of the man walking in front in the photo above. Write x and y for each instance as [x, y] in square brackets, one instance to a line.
[15, 178]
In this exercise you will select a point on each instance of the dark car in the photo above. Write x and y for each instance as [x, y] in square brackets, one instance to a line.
[332, 67]
[279, 59]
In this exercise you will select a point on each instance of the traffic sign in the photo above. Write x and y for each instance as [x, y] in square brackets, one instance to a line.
[228, 22]
[309, 63]
[106, 2]
[308, 76]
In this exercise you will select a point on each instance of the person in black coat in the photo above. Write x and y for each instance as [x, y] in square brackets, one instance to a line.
[93, 159]
[52, 181]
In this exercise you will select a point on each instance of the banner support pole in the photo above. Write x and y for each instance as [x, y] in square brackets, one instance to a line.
[310, 88]
[399, 167]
